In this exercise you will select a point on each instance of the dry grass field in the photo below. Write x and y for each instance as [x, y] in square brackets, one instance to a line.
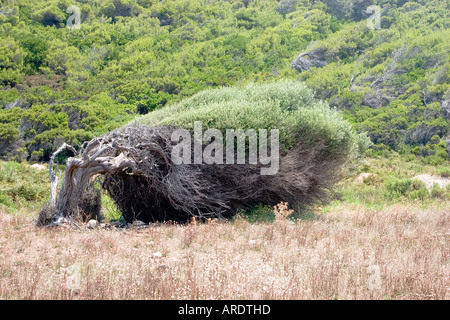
[400, 252]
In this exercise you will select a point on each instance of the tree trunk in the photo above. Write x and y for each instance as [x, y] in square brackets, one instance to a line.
[80, 174]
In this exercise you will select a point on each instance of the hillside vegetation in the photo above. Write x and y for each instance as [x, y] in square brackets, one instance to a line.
[130, 57]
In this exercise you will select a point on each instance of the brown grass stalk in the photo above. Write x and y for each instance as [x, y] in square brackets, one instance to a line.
[401, 252]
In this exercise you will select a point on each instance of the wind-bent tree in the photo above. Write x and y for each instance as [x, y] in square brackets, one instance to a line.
[135, 165]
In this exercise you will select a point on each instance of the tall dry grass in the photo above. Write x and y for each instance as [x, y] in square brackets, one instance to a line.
[352, 253]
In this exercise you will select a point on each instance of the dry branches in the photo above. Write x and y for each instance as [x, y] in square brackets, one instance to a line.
[134, 166]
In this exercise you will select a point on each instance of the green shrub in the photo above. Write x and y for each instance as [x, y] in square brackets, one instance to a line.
[421, 194]
[50, 16]
[439, 193]
[9, 171]
[443, 172]
[260, 213]
[372, 180]
[5, 200]
[26, 192]
[409, 188]
[285, 105]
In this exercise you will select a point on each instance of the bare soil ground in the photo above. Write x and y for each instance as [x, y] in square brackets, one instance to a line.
[430, 180]
[401, 252]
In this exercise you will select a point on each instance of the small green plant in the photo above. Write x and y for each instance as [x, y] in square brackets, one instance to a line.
[409, 188]
[109, 209]
[260, 213]
[5, 200]
[439, 193]
[372, 180]
[26, 192]
[8, 171]
[443, 172]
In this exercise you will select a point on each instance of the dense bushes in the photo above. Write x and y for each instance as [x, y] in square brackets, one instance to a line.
[133, 57]
[412, 189]
[285, 105]
[392, 82]
[22, 186]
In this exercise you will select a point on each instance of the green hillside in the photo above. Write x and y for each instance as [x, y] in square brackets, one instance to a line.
[130, 57]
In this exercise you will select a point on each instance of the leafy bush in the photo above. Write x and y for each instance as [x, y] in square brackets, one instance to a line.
[50, 16]
[22, 187]
[260, 213]
[439, 193]
[285, 105]
[5, 200]
[409, 188]
[9, 170]
[443, 172]
[26, 192]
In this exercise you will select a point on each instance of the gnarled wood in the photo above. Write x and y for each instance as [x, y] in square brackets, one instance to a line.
[135, 168]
